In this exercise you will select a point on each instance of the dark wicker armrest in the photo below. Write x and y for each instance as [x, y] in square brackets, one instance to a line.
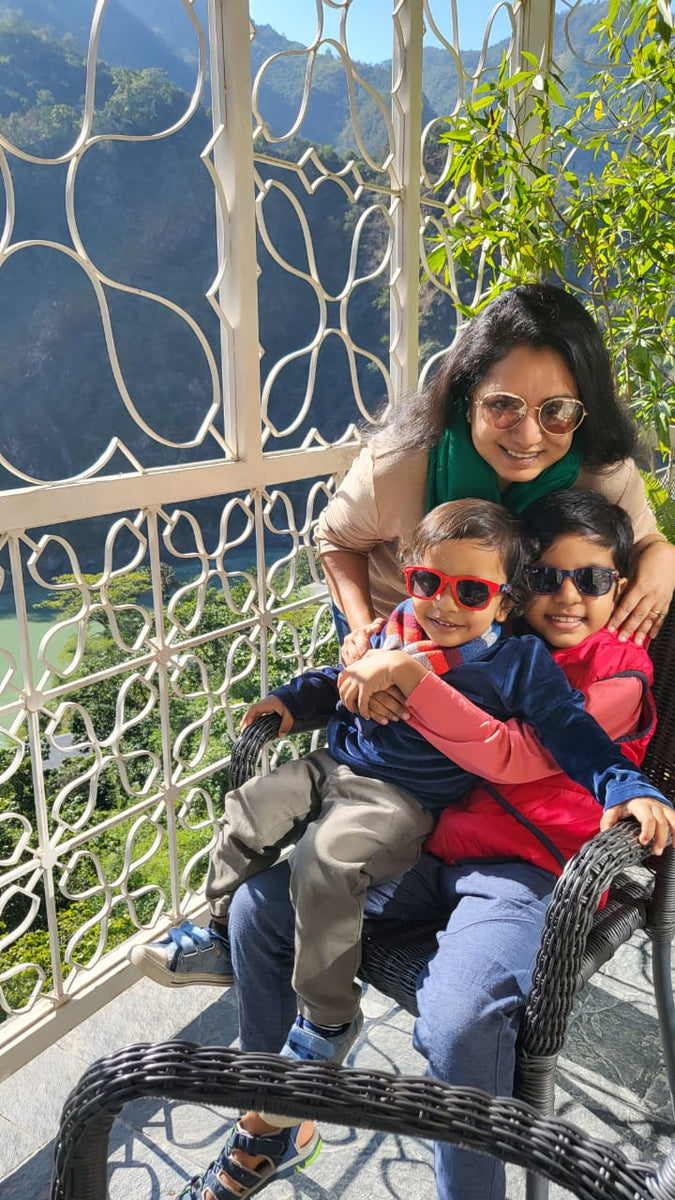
[558, 972]
[250, 744]
[422, 1107]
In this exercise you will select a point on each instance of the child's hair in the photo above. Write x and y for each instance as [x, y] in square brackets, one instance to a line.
[580, 512]
[477, 521]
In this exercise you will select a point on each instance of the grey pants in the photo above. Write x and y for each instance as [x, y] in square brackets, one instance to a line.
[349, 832]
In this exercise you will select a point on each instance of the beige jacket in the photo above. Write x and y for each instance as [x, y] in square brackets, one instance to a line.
[382, 499]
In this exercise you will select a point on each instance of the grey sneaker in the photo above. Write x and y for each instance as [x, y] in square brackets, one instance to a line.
[186, 955]
[307, 1045]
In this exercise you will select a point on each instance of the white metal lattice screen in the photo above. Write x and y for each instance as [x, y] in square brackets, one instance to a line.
[205, 290]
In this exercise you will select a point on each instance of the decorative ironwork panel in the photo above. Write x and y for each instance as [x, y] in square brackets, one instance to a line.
[119, 723]
[101, 299]
[210, 283]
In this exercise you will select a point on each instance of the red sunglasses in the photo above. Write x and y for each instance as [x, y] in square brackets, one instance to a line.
[467, 590]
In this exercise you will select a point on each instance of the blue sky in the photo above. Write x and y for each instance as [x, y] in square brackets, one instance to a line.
[369, 23]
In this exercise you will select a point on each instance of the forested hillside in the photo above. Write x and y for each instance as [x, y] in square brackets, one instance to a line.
[145, 214]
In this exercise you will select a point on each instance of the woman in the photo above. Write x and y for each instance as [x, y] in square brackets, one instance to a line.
[523, 405]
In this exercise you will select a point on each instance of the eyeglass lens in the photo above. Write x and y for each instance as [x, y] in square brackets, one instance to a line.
[560, 414]
[470, 593]
[590, 581]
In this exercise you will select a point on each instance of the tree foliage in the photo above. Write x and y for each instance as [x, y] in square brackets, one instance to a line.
[579, 187]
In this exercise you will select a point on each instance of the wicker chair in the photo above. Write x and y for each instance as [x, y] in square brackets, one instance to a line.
[508, 1128]
[577, 939]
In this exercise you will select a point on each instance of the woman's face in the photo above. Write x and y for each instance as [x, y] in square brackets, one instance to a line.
[520, 454]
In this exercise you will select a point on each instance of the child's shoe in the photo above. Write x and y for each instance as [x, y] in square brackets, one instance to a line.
[186, 955]
[307, 1042]
[280, 1156]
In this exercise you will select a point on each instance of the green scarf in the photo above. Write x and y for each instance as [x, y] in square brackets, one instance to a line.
[457, 471]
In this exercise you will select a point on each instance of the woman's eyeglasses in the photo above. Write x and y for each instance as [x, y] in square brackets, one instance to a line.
[590, 581]
[467, 590]
[557, 416]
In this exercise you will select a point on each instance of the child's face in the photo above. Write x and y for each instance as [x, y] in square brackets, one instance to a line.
[566, 617]
[443, 620]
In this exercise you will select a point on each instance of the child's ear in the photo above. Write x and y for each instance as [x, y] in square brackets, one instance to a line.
[620, 589]
[505, 609]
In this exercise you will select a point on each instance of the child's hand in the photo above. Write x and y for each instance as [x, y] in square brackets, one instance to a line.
[267, 705]
[360, 681]
[379, 671]
[388, 706]
[656, 820]
[357, 643]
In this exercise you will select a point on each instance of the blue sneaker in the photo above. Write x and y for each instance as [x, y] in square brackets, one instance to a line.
[308, 1045]
[186, 955]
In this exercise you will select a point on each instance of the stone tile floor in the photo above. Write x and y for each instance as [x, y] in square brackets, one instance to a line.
[611, 1083]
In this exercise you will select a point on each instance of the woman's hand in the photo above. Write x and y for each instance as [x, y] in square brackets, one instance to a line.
[357, 643]
[645, 602]
[656, 820]
[269, 704]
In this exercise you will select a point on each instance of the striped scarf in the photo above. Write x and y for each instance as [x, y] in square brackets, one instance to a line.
[402, 632]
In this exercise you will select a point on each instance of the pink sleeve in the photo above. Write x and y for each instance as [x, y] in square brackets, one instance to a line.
[509, 751]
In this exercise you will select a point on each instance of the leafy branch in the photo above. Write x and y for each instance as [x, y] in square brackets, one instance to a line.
[579, 188]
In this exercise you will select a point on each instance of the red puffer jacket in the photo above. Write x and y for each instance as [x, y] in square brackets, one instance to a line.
[546, 821]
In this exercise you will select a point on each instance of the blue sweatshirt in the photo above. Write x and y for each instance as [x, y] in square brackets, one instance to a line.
[516, 678]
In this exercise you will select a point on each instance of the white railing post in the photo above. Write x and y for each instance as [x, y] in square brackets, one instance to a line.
[232, 154]
[534, 34]
[406, 100]
[45, 858]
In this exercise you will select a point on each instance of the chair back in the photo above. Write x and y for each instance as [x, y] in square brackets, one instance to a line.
[659, 762]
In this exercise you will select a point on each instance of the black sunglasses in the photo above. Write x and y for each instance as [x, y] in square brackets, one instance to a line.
[590, 581]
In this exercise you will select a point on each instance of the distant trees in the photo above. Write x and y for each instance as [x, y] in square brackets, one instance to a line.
[583, 191]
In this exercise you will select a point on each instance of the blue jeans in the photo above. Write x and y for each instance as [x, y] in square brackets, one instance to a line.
[470, 996]
[340, 623]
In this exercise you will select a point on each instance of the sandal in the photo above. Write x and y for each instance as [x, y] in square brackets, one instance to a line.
[280, 1152]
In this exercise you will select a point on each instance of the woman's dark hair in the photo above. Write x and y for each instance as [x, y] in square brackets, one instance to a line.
[476, 521]
[580, 512]
[531, 314]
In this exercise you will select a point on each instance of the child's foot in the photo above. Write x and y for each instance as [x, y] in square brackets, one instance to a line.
[323, 1043]
[186, 955]
[252, 1157]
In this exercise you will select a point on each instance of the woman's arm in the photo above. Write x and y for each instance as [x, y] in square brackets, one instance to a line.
[346, 573]
[377, 504]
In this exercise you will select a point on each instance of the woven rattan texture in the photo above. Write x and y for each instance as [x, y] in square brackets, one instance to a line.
[660, 757]
[249, 746]
[589, 1168]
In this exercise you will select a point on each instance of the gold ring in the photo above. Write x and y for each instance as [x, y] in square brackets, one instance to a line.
[657, 612]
